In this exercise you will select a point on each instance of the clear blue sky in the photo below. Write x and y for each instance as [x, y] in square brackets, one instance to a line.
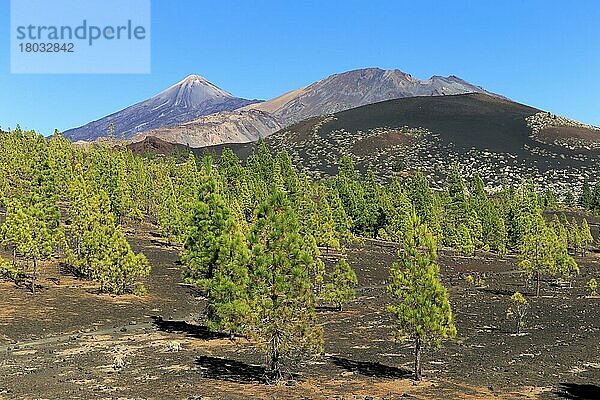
[542, 53]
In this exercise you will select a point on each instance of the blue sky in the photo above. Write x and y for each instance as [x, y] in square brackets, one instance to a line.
[541, 53]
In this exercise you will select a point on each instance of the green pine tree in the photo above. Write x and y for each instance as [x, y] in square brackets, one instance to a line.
[228, 294]
[283, 298]
[105, 256]
[595, 202]
[586, 236]
[575, 239]
[116, 267]
[569, 199]
[397, 210]
[517, 310]
[208, 222]
[341, 286]
[544, 253]
[586, 200]
[426, 203]
[420, 301]
[28, 231]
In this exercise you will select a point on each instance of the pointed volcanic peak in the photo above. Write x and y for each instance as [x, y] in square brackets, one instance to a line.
[193, 91]
[188, 99]
[357, 88]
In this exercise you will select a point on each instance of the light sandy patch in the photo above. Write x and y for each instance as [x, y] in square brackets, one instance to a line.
[176, 368]
[23, 352]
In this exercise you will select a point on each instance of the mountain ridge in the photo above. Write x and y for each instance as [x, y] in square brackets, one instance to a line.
[358, 87]
[334, 93]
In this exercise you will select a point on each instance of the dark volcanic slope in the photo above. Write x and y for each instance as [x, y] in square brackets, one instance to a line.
[481, 133]
[470, 120]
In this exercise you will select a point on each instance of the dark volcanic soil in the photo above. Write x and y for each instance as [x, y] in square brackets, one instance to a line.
[62, 342]
[569, 132]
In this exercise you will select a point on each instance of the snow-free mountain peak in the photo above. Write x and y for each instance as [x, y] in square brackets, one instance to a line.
[359, 87]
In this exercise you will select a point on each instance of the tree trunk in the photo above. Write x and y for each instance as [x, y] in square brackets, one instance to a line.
[211, 270]
[33, 278]
[14, 260]
[418, 359]
[275, 367]
[537, 283]
[274, 355]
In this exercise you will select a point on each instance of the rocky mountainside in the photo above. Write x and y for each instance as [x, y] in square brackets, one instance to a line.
[188, 99]
[332, 94]
[356, 88]
[225, 127]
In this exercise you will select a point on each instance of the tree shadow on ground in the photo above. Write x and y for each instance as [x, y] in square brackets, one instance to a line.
[68, 269]
[160, 243]
[574, 391]
[372, 369]
[327, 309]
[193, 331]
[231, 370]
